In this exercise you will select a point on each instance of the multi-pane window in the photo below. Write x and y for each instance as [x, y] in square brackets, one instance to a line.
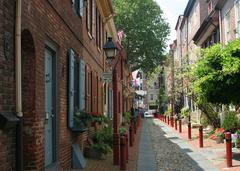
[90, 16]
[99, 29]
[78, 6]
[237, 18]
[151, 96]
[227, 27]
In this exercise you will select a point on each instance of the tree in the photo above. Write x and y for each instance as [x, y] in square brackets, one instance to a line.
[146, 32]
[218, 74]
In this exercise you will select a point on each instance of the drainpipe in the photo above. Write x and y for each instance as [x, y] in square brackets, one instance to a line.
[220, 26]
[19, 138]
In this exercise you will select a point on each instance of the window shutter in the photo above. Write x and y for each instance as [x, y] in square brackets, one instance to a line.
[70, 87]
[81, 7]
[82, 85]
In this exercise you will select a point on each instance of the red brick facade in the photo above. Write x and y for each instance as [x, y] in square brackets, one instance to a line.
[51, 24]
[7, 83]
[56, 22]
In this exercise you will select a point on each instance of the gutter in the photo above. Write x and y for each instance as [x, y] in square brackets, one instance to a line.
[18, 74]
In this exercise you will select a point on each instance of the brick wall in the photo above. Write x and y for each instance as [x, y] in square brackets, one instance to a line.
[55, 20]
[228, 8]
[7, 83]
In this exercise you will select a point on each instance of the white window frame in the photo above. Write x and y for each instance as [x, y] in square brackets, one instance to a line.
[227, 26]
[237, 18]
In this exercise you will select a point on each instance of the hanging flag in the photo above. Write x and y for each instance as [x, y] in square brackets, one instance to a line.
[121, 35]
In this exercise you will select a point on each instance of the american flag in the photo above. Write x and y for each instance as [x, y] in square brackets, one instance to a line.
[121, 35]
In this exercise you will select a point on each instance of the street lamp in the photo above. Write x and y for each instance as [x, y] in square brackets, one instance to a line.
[111, 52]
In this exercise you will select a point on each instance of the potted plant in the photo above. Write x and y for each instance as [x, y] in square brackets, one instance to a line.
[81, 121]
[219, 137]
[102, 144]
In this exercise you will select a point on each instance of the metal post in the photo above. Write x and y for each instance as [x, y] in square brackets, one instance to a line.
[126, 136]
[175, 124]
[123, 153]
[180, 125]
[115, 119]
[131, 135]
[172, 123]
[189, 131]
[228, 149]
[115, 149]
[201, 136]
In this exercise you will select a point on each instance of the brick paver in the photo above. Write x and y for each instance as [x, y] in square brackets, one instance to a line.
[107, 163]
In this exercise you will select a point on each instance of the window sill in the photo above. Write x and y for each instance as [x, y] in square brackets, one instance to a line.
[79, 130]
[89, 35]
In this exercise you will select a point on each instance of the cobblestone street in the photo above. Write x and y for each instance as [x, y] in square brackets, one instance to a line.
[172, 153]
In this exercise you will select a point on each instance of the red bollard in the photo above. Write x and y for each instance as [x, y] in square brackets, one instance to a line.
[201, 136]
[135, 127]
[126, 136]
[115, 149]
[123, 165]
[168, 120]
[189, 131]
[228, 149]
[131, 135]
[172, 123]
[180, 125]
[175, 124]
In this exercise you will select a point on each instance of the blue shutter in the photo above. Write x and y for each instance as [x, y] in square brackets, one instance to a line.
[81, 7]
[70, 87]
[82, 85]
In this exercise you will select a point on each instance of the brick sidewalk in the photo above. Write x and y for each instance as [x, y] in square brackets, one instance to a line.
[107, 163]
[211, 150]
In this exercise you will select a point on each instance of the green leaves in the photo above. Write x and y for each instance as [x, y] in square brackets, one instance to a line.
[146, 32]
[217, 74]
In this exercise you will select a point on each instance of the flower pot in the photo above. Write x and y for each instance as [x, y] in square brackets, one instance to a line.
[92, 153]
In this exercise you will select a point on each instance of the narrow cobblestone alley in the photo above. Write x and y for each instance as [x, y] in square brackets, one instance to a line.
[163, 150]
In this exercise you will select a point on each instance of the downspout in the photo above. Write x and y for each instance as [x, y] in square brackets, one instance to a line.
[220, 25]
[19, 138]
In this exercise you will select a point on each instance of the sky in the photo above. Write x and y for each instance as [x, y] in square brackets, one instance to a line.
[171, 10]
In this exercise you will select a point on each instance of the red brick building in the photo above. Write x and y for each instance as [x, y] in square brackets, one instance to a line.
[62, 66]
[7, 83]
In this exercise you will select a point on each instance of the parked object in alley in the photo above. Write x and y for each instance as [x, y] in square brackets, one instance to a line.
[148, 114]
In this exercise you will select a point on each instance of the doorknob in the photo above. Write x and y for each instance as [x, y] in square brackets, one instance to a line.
[46, 116]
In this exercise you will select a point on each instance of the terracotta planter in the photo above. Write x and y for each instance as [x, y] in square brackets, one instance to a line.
[92, 153]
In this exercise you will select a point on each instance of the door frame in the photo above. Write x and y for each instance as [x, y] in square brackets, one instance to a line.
[53, 48]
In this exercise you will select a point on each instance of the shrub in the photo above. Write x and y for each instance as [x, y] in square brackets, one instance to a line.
[204, 121]
[103, 136]
[231, 122]
[185, 112]
[126, 116]
[122, 131]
